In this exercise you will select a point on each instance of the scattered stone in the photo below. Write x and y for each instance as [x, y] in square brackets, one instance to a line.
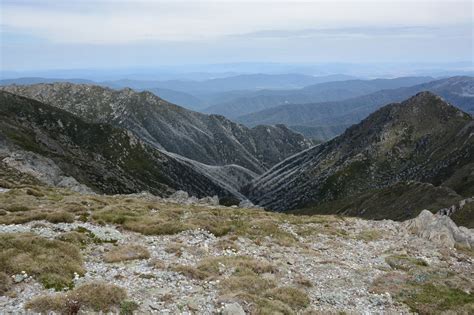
[233, 309]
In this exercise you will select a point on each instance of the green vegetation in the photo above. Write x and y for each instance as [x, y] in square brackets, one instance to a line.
[401, 201]
[426, 290]
[52, 262]
[427, 293]
[402, 262]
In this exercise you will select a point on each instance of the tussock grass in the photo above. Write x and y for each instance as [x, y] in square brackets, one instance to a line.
[126, 252]
[94, 296]
[191, 272]
[52, 262]
[402, 262]
[149, 216]
[433, 294]
[36, 215]
[5, 283]
[369, 235]
[293, 297]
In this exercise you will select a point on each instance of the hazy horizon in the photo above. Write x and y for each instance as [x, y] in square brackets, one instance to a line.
[336, 36]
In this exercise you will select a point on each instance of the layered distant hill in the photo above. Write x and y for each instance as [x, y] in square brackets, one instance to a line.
[238, 82]
[210, 139]
[328, 119]
[199, 94]
[250, 102]
[406, 156]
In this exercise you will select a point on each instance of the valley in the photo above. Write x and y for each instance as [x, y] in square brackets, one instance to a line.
[149, 207]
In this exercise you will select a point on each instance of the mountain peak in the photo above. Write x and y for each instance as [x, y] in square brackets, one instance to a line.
[419, 139]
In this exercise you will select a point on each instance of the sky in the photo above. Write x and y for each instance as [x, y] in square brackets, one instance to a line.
[77, 34]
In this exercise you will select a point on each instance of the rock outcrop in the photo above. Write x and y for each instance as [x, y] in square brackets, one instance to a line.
[440, 229]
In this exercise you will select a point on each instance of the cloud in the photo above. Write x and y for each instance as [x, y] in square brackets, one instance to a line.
[107, 21]
[364, 32]
[86, 33]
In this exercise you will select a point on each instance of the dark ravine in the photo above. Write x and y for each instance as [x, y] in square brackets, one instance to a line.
[105, 158]
[422, 139]
[209, 139]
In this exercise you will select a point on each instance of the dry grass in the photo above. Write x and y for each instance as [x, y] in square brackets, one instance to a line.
[235, 265]
[139, 215]
[191, 272]
[175, 248]
[156, 263]
[249, 285]
[95, 296]
[294, 298]
[5, 283]
[427, 293]
[369, 235]
[126, 252]
[52, 262]
[304, 282]
[76, 238]
[402, 262]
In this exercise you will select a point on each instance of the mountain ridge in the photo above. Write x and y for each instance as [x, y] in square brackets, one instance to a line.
[209, 139]
[395, 144]
[100, 156]
[458, 90]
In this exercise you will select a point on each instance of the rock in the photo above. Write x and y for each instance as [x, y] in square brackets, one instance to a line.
[440, 229]
[233, 309]
[246, 204]
[180, 196]
[212, 201]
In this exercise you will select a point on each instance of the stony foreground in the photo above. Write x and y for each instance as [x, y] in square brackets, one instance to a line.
[169, 256]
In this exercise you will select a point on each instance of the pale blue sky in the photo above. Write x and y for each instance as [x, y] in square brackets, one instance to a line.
[55, 34]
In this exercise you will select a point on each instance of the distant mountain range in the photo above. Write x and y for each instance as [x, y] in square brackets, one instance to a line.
[254, 101]
[405, 156]
[328, 119]
[197, 95]
[423, 139]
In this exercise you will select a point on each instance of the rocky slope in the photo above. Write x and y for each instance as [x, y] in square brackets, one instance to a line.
[423, 139]
[67, 252]
[328, 119]
[208, 139]
[61, 149]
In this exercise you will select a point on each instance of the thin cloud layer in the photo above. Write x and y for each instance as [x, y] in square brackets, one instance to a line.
[230, 28]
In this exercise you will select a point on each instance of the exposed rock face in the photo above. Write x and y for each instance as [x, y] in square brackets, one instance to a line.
[423, 139]
[210, 139]
[44, 169]
[440, 229]
[102, 157]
